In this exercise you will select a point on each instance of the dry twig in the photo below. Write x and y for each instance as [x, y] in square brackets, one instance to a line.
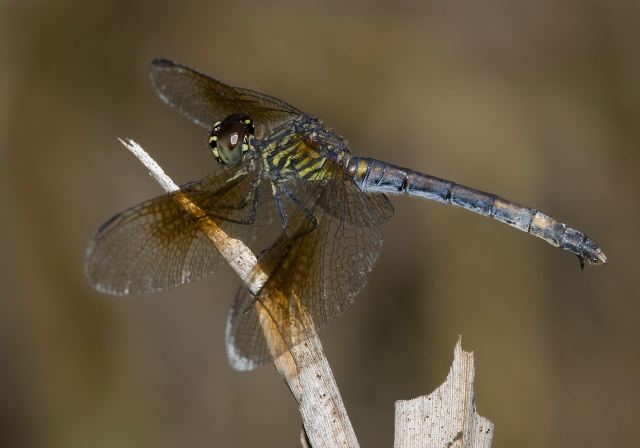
[447, 417]
[305, 367]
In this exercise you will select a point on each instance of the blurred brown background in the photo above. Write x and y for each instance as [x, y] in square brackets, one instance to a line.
[538, 101]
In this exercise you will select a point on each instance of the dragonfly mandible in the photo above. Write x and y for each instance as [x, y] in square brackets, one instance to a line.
[280, 167]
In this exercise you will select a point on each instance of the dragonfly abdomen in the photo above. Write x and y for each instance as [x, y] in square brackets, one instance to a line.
[376, 176]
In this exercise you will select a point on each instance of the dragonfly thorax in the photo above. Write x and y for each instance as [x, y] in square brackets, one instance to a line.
[229, 139]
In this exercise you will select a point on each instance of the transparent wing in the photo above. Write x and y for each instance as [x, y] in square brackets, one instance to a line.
[157, 245]
[316, 268]
[205, 100]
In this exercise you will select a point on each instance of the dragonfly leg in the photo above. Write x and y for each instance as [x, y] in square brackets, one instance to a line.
[251, 198]
[280, 204]
[292, 196]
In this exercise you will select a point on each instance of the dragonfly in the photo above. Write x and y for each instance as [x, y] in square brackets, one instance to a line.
[280, 168]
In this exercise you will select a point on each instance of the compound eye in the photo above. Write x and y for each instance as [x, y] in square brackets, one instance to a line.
[228, 143]
[229, 139]
[231, 136]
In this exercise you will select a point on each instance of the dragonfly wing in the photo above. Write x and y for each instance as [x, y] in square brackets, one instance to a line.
[205, 100]
[343, 200]
[158, 245]
[315, 270]
[246, 342]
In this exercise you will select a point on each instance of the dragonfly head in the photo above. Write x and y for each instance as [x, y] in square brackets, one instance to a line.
[229, 138]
